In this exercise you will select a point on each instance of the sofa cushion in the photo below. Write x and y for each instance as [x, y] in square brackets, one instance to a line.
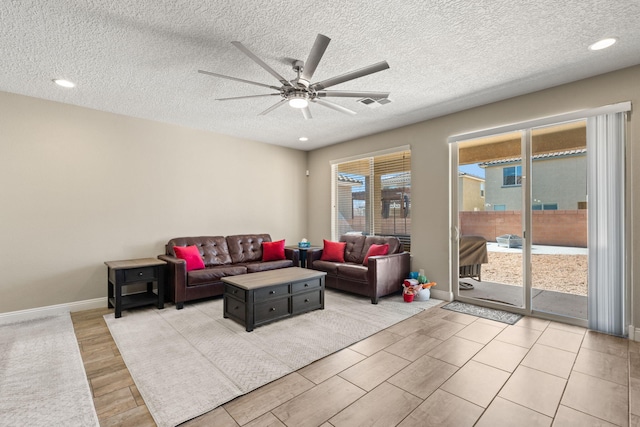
[273, 251]
[191, 255]
[333, 251]
[354, 251]
[353, 272]
[395, 246]
[214, 274]
[246, 247]
[329, 267]
[213, 249]
[254, 267]
[375, 250]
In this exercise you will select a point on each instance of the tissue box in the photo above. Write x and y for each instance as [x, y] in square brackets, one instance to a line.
[304, 244]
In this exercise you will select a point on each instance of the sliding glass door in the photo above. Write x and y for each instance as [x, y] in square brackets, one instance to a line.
[490, 201]
[529, 217]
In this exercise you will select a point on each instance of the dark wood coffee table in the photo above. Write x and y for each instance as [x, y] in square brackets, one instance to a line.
[255, 299]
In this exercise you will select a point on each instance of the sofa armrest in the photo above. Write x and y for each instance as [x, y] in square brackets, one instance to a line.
[313, 255]
[293, 255]
[176, 279]
[387, 272]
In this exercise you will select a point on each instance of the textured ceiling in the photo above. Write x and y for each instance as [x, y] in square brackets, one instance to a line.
[140, 58]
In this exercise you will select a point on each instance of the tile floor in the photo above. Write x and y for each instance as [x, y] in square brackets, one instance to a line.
[441, 368]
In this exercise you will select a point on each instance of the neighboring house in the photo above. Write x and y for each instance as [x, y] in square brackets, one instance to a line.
[471, 190]
[559, 182]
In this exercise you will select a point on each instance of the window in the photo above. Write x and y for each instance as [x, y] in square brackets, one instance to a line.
[544, 206]
[511, 176]
[499, 207]
[482, 189]
[372, 196]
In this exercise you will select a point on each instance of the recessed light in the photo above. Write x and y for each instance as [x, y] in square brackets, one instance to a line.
[303, 139]
[603, 44]
[64, 83]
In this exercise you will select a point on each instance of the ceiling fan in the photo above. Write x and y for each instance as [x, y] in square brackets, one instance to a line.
[300, 91]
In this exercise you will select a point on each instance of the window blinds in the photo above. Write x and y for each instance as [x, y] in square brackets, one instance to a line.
[372, 196]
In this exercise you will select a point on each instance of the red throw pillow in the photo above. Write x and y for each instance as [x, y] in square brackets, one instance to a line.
[376, 250]
[191, 255]
[273, 251]
[333, 251]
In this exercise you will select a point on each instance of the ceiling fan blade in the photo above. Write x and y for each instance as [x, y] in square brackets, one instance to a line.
[261, 63]
[306, 113]
[334, 106]
[352, 94]
[273, 107]
[319, 46]
[245, 97]
[237, 79]
[351, 75]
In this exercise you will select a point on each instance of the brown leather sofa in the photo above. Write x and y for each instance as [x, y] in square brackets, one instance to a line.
[222, 256]
[383, 275]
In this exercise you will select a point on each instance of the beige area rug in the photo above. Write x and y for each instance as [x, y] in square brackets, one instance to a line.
[188, 362]
[42, 377]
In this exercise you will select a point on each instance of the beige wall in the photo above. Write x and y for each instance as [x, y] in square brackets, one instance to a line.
[430, 164]
[80, 187]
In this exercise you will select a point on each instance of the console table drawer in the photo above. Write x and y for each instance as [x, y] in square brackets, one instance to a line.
[270, 292]
[305, 285]
[235, 308]
[236, 292]
[271, 310]
[306, 301]
[142, 274]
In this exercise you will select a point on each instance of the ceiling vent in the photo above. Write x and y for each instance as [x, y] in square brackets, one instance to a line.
[374, 103]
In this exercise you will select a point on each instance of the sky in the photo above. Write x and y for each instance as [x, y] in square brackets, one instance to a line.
[472, 170]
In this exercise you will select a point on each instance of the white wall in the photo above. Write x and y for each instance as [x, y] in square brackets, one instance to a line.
[430, 165]
[80, 187]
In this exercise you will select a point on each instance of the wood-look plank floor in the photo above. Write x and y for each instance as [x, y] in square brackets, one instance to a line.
[437, 368]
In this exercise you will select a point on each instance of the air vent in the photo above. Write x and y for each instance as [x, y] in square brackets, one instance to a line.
[374, 103]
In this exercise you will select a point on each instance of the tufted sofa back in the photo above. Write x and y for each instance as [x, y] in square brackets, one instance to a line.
[246, 247]
[214, 249]
[358, 245]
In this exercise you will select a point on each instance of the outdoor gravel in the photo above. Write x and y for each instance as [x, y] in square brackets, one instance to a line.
[562, 273]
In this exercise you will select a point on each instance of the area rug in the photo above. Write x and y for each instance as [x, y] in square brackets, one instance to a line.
[42, 377]
[487, 313]
[188, 362]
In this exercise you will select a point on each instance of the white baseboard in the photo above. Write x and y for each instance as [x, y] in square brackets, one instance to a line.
[634, 333]
[52, 310]
[443, 295]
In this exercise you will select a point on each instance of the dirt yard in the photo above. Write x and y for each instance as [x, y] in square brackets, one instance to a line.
[562, 273]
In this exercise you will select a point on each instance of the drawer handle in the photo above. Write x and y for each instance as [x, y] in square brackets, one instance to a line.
[272, 309]
[236, 308]
[306, 285]
[235, 291]
[306, 300]
[272, 292]
[140, 273]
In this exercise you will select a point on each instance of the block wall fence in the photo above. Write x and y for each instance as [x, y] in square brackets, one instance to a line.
[554, 228]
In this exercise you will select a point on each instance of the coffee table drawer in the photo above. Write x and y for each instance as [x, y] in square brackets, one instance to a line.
[272, 310]
[305, 285]
[235, 291]
[306, 302]
[270, 292]
[234, 308]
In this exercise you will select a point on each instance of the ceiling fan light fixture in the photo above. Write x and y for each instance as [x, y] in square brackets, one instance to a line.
[298, 99]
[298, 102]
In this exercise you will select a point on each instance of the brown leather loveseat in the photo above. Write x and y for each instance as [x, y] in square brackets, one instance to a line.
[383, 274]
[222, 256]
